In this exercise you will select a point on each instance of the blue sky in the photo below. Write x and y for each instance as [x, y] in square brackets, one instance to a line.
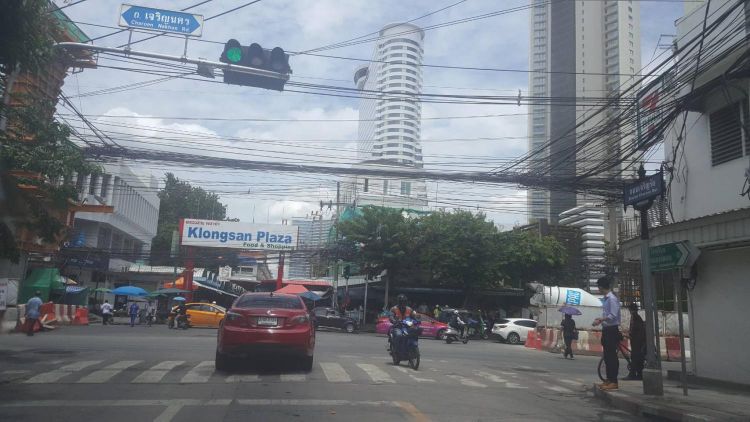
[298, 25]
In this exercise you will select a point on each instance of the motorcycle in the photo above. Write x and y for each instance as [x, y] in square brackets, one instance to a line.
[451, 334]
[406, 346]
[477, 329]
[178, 321]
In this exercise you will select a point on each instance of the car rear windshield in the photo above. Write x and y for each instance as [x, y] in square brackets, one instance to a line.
[262, 301]
[502, 321]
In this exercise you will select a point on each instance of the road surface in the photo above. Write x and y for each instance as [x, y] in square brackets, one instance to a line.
[119, 373]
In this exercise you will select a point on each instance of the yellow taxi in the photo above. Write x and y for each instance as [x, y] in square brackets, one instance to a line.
[205, 314]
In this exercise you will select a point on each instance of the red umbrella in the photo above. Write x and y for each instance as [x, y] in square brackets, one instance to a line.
[294, 289]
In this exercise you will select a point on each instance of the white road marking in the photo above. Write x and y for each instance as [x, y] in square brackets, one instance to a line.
[412, 376]
[467, 381]
[375, 373]
[200, 373]
[507, 373]
[57, 374]
[169, 413]
[293, 377]
[311, 402]
[243, 378]
[16, 371]
[557, 389]
[334, 372]
[571, 382]
[514, 385]
[157, 372]
[491, 377]
[117, 403]
[103, 375]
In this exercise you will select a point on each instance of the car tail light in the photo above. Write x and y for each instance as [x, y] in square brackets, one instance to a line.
[298, 320]
[234, 319]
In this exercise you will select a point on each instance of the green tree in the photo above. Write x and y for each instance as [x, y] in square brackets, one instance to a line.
[384, 239]
[27, 30]
[459, 250]
[32, 144]
[179, 200]
[524, 257]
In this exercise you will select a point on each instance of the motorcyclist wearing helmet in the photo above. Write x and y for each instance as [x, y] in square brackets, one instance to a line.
[457, 323]
[399, 313]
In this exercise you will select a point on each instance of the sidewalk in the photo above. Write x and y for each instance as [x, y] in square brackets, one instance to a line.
[703, 403]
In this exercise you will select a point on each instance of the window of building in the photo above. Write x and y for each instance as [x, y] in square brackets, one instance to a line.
[385, 187]
[405, 188]
[367, 185]
[92, 184]
[727, 136]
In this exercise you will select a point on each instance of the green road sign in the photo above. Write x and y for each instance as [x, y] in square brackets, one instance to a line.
[672, 256]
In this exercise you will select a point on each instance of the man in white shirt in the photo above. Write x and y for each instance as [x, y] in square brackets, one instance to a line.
[106, 312]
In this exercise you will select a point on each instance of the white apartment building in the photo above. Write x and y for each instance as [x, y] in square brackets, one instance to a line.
[313, 235]
[577, 49]
[127, 232]
[390, 118]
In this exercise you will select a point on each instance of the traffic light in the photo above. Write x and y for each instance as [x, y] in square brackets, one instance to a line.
[275, 60]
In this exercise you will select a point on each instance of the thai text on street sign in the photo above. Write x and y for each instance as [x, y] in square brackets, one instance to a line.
[238, 235]
[650, 110]
[161, 20]
[573, 297]
[644, 190]
[672, 256]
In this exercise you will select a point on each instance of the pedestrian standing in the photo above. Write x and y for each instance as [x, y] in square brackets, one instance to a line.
[32, 312]
[106, 312]
[569, 334]
[133, 312]
[637, 344]
[436, 312]
[610, 322]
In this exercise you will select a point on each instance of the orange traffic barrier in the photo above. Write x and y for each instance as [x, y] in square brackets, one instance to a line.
[81, 317]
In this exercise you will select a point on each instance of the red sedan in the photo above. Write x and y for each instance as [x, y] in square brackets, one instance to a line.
[266, 323]
[430, 326]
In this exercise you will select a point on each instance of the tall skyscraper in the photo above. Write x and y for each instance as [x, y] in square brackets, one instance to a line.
[390, 120]
[313, 236]
[577, 49]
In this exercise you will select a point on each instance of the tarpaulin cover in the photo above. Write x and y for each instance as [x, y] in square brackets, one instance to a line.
[43, 279]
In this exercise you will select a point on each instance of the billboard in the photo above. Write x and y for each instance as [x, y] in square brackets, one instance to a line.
[238, 235]
[652, 110]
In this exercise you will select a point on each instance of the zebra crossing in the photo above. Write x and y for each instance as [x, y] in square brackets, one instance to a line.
[203, 372]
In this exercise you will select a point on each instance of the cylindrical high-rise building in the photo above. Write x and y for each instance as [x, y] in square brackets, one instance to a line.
[390, 119]
[390, 126]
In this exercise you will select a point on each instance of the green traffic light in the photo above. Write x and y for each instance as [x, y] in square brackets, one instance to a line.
[234, 54]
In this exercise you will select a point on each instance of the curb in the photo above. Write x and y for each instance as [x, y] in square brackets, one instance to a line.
[665, 411]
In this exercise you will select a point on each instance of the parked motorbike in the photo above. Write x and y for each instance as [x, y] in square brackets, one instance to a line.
[451, 334]
[406, 345]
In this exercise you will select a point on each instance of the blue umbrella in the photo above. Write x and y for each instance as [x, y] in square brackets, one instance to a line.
[569, 310]
[130, 291]
[179, 299]
[310, 295]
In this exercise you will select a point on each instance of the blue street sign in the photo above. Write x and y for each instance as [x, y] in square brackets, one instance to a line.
[161, 20]
[573, 297]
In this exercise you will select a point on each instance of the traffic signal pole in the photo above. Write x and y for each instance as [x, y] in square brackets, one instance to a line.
[181, 59]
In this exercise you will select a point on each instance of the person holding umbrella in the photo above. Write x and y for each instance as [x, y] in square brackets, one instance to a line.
[569, 330]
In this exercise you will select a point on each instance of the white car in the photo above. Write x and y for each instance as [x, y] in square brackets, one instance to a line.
[513, 330]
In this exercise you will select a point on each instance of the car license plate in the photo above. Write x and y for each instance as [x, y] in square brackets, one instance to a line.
[270, 321]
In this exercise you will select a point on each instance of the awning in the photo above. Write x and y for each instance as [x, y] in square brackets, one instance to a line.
[197, 284]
